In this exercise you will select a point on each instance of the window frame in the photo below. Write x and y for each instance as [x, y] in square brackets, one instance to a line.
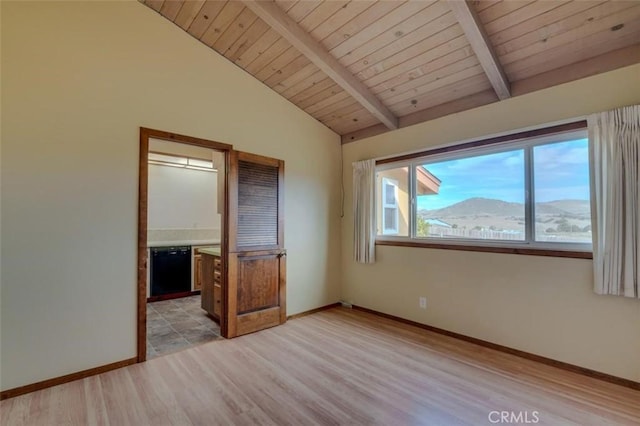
[526, 141]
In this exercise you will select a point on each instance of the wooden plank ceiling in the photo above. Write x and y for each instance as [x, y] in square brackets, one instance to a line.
[364, 67]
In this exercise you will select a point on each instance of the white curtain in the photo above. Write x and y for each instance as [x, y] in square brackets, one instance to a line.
[614, 138]
[364, 213]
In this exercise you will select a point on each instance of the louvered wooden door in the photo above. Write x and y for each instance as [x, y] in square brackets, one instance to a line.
[255, 290]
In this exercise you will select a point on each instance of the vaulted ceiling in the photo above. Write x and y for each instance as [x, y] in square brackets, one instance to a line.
[365, 67]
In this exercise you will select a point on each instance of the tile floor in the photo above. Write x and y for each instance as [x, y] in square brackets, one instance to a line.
[177, 324]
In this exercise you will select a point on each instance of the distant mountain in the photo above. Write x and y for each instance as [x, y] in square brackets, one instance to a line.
[578, 207]
[490, 207]
[549, 208]
[478, 207]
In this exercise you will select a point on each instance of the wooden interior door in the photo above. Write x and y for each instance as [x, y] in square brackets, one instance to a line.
[255, 290]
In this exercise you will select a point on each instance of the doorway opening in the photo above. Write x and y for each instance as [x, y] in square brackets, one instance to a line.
[183, 211]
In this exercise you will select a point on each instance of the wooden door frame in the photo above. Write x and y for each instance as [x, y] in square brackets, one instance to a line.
[143, 180]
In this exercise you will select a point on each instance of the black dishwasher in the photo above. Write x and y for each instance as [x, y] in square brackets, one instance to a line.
[170, 270]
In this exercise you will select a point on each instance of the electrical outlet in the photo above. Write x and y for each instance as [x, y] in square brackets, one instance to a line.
[423, 302]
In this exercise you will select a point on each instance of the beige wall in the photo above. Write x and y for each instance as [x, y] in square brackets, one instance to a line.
[180, 198]
[78, 79]
[536, 304]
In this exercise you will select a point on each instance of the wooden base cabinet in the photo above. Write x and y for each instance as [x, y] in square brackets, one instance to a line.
[197, 272]
[212, 281]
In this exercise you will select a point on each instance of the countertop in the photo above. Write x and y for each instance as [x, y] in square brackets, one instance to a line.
[182, 243]
[213, 251]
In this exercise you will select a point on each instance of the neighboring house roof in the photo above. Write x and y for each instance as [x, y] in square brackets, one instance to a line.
[428, 183]
[438, 222]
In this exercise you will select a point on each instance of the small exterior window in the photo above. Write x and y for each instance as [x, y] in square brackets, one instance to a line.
[389, 207]
[392, 202]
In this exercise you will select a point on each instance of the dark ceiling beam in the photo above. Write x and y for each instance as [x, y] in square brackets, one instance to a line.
[282, 23]
[481, 45]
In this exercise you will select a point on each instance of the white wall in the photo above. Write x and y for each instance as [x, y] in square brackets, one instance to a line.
[182, 198]
[78, 80]
[537, 304]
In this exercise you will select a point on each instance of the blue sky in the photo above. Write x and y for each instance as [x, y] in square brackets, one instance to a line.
[561, 171]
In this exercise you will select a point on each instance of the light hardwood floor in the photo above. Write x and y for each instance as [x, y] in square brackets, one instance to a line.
[334, 367]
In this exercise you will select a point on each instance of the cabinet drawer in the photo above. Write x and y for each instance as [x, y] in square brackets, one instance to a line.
[217, 263]
[217, 277]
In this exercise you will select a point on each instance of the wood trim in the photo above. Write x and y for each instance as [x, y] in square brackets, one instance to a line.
[143, 204]
[259, 159]
[607, 62]
[282, 294]
[526, 355]
[189, 140]
[365, 133]
[143, 176]
[481, 45]
[468, 102]
[314, 311]
[230, 297]
[488, 249]
[232, 201]
[316, 53]
[172, 296]
[600, 64]
[11, 393]
[224, 309]
[281, 212]
[154, 4]
[545, 131]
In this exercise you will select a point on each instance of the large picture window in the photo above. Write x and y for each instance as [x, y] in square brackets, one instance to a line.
[528, 192]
